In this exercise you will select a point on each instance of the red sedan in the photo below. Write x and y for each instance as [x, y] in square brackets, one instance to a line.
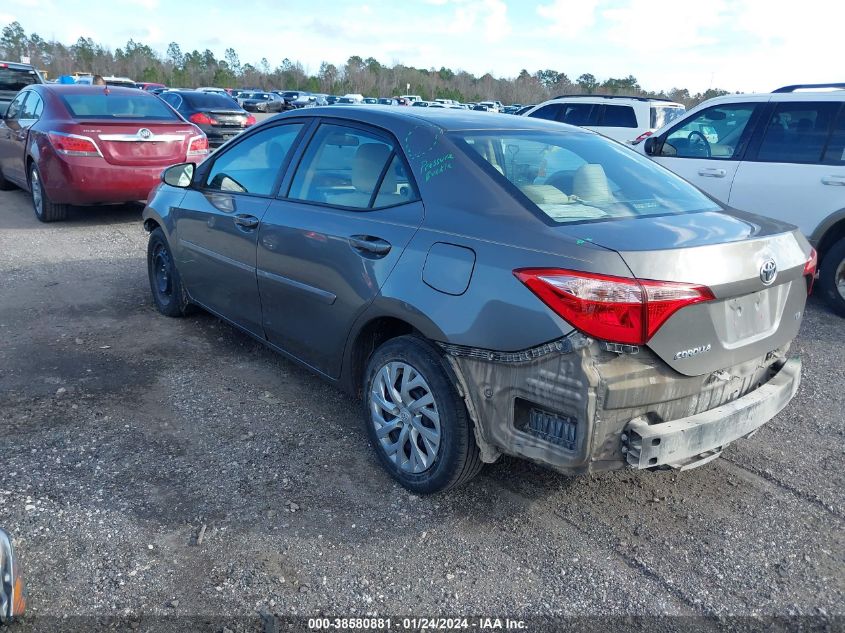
[81, 145]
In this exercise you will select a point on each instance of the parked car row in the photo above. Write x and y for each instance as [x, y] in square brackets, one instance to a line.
[553, 269]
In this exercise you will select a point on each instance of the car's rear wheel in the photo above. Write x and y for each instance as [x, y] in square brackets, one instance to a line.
[168, 293]
[45, 209]
[416, 419]
[832, 277]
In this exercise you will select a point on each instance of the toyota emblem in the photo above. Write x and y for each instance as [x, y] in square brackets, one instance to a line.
[768, 272]
[144, 133]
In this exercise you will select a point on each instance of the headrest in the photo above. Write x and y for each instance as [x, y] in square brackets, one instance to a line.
[369, 161]
[590, 183]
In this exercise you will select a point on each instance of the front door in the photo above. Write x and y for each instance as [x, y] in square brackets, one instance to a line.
[705, 149]
[325, 250]
[217, 224]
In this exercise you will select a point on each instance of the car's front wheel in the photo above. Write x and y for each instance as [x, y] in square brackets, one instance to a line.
[832, 277]
[169, 295]
[416, 418]
[45, 209]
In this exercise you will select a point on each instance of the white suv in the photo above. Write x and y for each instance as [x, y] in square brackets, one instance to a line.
[780, 155]
[624, 119]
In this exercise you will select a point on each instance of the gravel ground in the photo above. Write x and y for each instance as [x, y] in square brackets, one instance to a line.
[157, 467]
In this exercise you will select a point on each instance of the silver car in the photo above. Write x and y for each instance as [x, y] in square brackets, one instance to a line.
[490, 286]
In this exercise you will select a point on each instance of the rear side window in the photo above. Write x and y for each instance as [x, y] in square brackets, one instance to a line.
[99, 105]
[619, 116]
[551, 112]
[32, 108]
[835, 153]
[252, 166]
[351, 168]
[13, 79]
[580, 114]
[797, 132]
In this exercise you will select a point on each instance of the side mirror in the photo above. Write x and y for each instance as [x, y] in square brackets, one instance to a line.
[181, 175]
[650, 145]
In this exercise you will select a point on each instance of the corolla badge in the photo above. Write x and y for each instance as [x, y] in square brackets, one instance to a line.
[144, 133]
[768, 272]
[695, 351]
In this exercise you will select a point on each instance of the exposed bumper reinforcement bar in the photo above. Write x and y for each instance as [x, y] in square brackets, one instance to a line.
[697, 439]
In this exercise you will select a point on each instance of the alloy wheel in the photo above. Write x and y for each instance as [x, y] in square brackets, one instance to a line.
[839, 279]
[405, 417]
[37, 193]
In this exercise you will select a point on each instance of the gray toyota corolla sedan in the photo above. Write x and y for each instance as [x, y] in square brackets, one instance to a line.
[490, 285]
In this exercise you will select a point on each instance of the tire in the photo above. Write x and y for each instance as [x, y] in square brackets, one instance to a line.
[444, 454]
[168, 293]
[45, 210]
[832, 277]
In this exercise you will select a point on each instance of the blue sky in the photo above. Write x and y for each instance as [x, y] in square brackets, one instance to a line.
[750, 45]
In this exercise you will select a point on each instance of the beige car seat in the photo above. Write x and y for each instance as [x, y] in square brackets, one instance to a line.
[366, 168]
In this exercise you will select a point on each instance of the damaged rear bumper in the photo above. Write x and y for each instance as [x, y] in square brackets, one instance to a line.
[578, 405]
[697, 439]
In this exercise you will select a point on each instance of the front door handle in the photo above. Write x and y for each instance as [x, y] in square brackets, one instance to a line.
[246, 221]
[836, 181]
[712, 172]
[370, 245]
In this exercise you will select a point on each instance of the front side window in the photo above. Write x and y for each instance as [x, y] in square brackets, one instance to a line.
[713, 133]
[351, 168]
[578, 177]
[797, 132]
[252, 165]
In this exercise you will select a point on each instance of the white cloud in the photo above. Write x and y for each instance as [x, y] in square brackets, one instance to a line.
[568, 18]
[641, 28]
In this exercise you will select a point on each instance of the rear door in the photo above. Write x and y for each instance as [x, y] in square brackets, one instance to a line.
[325, 249]
[13, 131]
[795, 170]
[217, 223]
[706, 148]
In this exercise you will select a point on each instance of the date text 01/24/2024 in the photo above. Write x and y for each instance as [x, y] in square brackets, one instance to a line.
[416, 624]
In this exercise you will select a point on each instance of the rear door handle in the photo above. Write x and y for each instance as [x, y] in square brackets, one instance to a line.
[370, 245]
[246, 221]
[712, 172]
[834, 180]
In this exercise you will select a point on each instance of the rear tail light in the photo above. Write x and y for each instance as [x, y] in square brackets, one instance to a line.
[202, 119]
[73, 144]
[198, 146]
[614, 309]
[250, 120]
[810, 269]
[641, 137]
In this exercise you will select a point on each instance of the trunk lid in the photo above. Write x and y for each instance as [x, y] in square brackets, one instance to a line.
[235, 119]
[726, 252]
[141, 144]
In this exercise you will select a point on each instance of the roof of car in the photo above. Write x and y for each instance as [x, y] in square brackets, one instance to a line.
[89, 89]
[448, 119]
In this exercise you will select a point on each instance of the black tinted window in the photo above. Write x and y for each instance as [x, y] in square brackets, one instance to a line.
[12, 79]
[579, 114]
[344, 166]
[551, 112]
[253, 165]
[99, 105]
[208, 100]
[797, 132]
[619, 116]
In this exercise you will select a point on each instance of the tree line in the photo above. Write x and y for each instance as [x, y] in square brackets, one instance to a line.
[180, 69]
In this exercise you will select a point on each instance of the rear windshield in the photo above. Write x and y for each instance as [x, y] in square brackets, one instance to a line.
[577, 177]
[209, 100]
[14, 79]
[663, 115]
[98, 105]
